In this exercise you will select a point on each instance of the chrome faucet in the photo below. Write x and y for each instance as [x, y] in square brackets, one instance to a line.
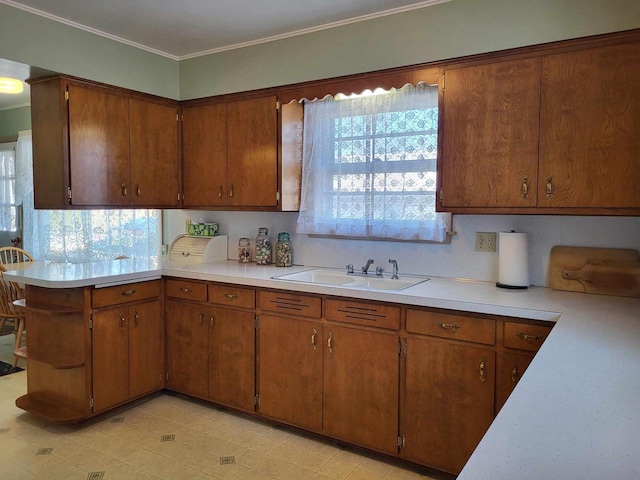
[365, 269]
[395, 268]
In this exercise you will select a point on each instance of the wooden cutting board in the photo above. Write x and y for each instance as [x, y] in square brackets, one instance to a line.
[607, 271]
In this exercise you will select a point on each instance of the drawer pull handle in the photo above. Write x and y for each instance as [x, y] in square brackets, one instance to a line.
[330, 342]
[448, 326]
[313, 339]
[186, 254]
[524, 336]
[482, 365]
[126, 293]
[514, 374]
[185, 289]
[231, 296]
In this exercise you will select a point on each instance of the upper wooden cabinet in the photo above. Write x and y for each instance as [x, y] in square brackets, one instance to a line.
[96, 146]
[554, 131]
[230, 154]
[589, 124]
[489, 134]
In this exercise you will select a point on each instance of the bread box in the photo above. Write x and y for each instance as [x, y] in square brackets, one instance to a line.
[199, 249]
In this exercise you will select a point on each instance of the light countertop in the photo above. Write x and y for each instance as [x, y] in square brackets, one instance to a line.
[575, 414]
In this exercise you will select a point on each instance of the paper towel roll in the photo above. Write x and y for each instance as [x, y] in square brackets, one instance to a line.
[513, 260]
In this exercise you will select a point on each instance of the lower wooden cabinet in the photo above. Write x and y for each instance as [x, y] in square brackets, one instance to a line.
[128, 353]
[290, 374]
[448, 401]
[511, 366]
[361, 381]
[232, 358]
[187, 348]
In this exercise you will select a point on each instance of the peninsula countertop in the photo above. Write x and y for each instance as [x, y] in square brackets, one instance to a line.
[575, 414]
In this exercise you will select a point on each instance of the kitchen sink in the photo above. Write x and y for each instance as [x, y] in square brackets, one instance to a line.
[338, 278]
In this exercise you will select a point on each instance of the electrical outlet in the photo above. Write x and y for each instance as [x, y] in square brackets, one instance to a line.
[485, 241]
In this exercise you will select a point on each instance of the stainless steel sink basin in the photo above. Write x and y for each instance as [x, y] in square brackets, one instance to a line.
[338, 278]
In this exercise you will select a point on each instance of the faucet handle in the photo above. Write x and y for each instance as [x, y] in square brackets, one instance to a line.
[350, 268]
[379, 271]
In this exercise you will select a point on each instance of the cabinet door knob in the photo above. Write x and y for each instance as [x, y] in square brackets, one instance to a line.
[220, 192]
[122, 321]
[213, 320]
[514, 374]
[482, 366]
[123, 189]
[330, 342]
[525, 188]
[201, 318]
[135, 318]
[137, 190]
[549, 188]
[313, 339]
[231, 191]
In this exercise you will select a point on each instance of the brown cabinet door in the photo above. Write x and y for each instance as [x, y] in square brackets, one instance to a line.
[290, 375]
[511, 366]
[449, 401]
[187, 348]
[98, 148]
[146, 348]
[232, 358]
[361, 387]
[589, 124]
[204, 156]
[252, 152]
[489, 135]
[154, 154]
[110, 358]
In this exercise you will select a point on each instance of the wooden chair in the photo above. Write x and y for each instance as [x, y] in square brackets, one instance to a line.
[12, 317]
[10, 255]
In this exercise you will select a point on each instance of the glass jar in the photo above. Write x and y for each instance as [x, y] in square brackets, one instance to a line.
[284, 250]
[244, 250]
[263, 247]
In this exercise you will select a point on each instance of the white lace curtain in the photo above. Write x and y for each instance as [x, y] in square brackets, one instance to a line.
[369, 166]
[7, 187]
[80, 235]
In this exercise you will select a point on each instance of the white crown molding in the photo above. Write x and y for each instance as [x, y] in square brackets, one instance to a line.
[79, 26]
[326, 26]
[304, 31]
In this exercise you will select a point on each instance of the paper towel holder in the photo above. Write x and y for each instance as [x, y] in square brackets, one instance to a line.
[512, 286]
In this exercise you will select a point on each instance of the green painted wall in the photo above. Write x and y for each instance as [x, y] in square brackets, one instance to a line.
[448, 30]
[39, 42]
[14, 120]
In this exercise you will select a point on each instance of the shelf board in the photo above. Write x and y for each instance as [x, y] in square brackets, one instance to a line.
[47, 408]
[21, 352]
[59, 363]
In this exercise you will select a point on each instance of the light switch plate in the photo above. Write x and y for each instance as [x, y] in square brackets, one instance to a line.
[485, 241]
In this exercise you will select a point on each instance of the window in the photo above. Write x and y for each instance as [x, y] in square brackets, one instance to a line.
[8, 208]
[369, 166]
[81, 235]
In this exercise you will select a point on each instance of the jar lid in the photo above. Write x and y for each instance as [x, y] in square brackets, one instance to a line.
[282, 236]
[244, 241]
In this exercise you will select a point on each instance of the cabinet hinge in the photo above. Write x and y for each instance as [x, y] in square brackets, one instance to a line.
[443, 79]
[91, 403]
[66, 94]
[256, 402]
[402, 442]
[440, 195]
[256, 322]
[69, 195]
[91, 322]
[404, 349]
[399, 348]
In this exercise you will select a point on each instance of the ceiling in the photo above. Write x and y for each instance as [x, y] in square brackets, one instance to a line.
[190, 28]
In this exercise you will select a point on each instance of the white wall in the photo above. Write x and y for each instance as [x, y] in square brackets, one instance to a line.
[458, 259]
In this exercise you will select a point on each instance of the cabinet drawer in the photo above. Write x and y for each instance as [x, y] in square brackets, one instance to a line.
[187, 290]
[131, 292]
[361, 313]
[457, 327]
[524, 336]
[232, 296]
[291, 303]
